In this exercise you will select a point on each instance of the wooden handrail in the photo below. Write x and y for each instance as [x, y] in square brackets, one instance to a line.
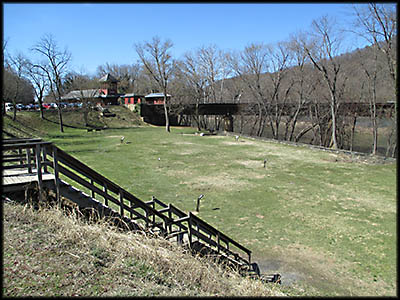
[75, 164]
[24, 145]
[79, 169]
[20, 140]
[216, 231]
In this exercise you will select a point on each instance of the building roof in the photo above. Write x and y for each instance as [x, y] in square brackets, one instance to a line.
[131, 95]
[78, 94]
[108, 78]
[156, 95]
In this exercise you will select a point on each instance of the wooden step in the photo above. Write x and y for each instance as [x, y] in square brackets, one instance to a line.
[175, 233]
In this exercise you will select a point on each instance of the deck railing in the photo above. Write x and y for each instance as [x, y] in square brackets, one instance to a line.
[43, 157]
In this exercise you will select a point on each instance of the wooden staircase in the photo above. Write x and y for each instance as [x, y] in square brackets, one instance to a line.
[90, 190]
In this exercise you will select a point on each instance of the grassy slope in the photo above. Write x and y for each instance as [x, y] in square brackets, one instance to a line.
[322, 218]
[49, 254]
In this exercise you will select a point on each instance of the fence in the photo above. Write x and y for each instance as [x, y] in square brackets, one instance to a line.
[42, 158]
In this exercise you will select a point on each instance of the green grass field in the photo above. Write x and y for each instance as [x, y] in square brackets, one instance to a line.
[323, 220]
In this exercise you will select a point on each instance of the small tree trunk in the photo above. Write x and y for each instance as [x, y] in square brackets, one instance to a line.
[352, 131]
[167, 126]
[60, 118]
[334, 137]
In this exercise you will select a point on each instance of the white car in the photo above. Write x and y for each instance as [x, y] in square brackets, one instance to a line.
[9, 106]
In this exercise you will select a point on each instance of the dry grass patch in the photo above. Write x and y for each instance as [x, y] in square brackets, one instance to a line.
[49, 254]
[221, 181]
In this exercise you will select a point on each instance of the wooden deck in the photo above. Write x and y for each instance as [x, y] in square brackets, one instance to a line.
[15, 179]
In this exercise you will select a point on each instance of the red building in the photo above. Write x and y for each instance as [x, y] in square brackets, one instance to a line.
[131, 98]
[156, 98]
[106, 94]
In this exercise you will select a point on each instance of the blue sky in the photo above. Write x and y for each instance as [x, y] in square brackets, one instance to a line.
[97, 33]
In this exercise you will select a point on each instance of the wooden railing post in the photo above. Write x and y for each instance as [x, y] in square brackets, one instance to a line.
[105, 194]
[131, 208]
[39, 171]
[218, 242]
[56, 175]
[190, 229]
[121, 199]
[146, 214]
[170, 217]
[92, 190]
[21, 161]
[29, 159]
[44, 159]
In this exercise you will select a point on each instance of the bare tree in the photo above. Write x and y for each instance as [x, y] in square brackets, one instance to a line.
[127, 75]
[196, 78]
[377, 24]
[214, 65]
[158, 63]
[323, 50]
[55, 67]
[85, 89]
[304, 85]
[40, 83]
[249, 66]
[16, 65]
[278, 57]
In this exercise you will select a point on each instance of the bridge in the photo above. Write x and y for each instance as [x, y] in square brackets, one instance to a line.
[154, 113]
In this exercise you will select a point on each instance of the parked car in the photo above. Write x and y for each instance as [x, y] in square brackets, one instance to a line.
[46, 105]
[53, 105]
[30, 106]
[20, 106]
[9, 106]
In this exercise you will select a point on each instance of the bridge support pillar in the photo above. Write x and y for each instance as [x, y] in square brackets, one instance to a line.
[228, 123]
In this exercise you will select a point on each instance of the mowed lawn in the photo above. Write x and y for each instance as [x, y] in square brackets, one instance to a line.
[323, 220]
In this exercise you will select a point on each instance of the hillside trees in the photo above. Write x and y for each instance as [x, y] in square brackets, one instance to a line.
[158, 63]
[278, 92]
[377, 24]
[304, 85]
[127, 75]
[86, 88]
[16, 88]
[195, 78]
[39, 81]
[249, 65]
[212, 62]
[204, 71]
[55, 66]
[323, 49]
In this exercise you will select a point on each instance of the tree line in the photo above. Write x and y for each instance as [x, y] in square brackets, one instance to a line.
[310, 66]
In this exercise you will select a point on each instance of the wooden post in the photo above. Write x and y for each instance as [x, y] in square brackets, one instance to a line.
[190, 229]
[105, 192]
[179, 238]
[28, 159]
[131, 208]
[170, 217]
[218, 242]
[56, 175]
[39, 171]
[44, 159]
[121, 199]
[154, 215]
[21, 161]
[92, 190]
[146, 214]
